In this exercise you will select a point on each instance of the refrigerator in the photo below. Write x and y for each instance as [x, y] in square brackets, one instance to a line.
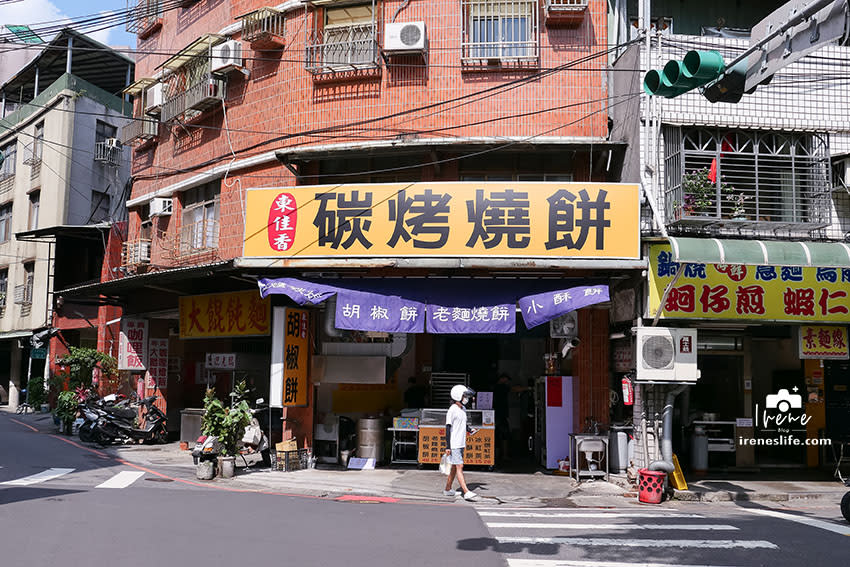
[555, 418]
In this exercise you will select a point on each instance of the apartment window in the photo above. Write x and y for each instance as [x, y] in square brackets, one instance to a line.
[29, 278]
[347, 40]
[34, 198]
[757, 179]
[10, 152]
[4, 287]
[5, 222]
[38, 142]
[200, 217]
[499, 29]
[99, 206]
[104, 131]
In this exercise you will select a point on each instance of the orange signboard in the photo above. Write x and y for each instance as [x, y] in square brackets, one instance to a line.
[479, 447]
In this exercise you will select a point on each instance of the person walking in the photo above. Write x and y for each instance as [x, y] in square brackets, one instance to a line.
[456, 430]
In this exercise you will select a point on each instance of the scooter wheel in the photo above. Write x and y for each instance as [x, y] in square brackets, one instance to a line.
[845, 506]
[86, 435]
[161, 436]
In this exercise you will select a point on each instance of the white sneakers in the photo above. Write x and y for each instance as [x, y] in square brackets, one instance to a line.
[451, 493]
[470, 496]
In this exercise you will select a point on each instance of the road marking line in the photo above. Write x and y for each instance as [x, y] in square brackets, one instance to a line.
[584, 515]
[608, 511]
[43, 476]
[612, 527]
[822, 524]
[122, 479]
[24, 424]
[575, 563]
[615, 542]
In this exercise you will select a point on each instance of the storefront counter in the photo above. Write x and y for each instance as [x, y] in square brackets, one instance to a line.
[479, 446]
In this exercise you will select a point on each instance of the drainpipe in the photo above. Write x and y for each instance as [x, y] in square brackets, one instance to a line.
[666, 462]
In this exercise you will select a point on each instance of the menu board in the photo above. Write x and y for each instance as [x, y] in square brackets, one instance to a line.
[479, 447]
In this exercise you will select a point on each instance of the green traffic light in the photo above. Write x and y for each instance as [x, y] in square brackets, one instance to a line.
[679, 77]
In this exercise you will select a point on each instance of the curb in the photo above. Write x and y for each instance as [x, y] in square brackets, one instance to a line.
[731, 496]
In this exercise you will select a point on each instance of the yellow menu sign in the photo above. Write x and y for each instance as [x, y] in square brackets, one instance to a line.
[524, 219]
[775, 293]
[296, 347]
[823, 342]
[241, 313]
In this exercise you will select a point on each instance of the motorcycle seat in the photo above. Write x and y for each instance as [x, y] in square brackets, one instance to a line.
[122, 413]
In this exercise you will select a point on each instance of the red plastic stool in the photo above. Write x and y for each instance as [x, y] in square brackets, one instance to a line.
[651, 486]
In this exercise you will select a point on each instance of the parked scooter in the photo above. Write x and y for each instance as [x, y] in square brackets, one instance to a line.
[845, 502]
[205, 453]
[93, 408]
[255, 440]
[116, 425]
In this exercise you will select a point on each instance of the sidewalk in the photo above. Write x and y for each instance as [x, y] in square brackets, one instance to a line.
[410, 483]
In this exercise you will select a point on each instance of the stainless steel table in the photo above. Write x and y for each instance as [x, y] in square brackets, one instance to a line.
[579, 443]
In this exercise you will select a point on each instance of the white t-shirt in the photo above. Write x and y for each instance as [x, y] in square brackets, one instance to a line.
[456, 417]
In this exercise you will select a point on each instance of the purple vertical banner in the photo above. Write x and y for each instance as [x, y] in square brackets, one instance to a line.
[361, 311]
[487, 319]
[543, 307]
[299, 291]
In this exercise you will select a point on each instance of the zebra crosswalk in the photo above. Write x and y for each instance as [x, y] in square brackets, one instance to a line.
[121, 479]
[627, 537]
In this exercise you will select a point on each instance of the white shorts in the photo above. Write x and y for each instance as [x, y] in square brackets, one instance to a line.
[456, 458]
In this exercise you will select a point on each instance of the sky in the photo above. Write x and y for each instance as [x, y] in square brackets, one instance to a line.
[36, 12]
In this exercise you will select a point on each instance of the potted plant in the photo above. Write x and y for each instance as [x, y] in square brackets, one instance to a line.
[699, 193]
[36, 395]
[228, 425]
[737, 201]
[66, 410]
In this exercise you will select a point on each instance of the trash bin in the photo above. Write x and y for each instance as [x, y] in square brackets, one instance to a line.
[370, 439]
[621, 447]
[699, 450]
[651, 486]
[190, 424]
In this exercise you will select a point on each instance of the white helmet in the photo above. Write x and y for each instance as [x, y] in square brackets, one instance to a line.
[460, 391]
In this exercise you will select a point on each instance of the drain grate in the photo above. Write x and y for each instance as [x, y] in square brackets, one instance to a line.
[159, 479]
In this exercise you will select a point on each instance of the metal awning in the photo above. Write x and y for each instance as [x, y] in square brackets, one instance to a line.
[140, 85]
[197, 47]
[760, 252]
[263, 12]
[79, 231]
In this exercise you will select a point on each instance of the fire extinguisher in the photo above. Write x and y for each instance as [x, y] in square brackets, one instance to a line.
[628, 391]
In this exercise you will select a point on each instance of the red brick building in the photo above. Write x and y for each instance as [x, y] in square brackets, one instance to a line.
[237, 95]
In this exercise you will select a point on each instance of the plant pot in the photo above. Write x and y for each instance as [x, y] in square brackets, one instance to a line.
[227, 467]
[205, 470]
[67, 426]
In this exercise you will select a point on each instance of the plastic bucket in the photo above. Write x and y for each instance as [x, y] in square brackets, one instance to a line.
[650, 486]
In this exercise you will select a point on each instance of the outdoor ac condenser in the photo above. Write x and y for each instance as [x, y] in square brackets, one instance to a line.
[227, 56]
[404, 37]
[666, 355]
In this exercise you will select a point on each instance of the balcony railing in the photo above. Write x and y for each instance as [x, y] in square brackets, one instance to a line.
[202, 94]
[499, 32]
[264, 28]
[565, 12]
[108, 152]
[344, 48]
[140, 130]
[136, 252]
[144, 17]
[746, 181]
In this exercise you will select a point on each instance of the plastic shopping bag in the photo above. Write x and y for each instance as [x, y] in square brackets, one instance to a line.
[445, 466]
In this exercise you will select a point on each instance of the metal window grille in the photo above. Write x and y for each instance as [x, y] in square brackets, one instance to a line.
[343, 48]
[499, 31]
[192, 90]
[264, 27]
[136, 252]
[754, 181]
[577, 5]
[143, 14]
[139, 130]
[197, 238]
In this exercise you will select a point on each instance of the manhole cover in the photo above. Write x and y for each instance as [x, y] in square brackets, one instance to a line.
[159, 479]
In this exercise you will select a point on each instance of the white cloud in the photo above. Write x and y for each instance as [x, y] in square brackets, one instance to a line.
[42, 13]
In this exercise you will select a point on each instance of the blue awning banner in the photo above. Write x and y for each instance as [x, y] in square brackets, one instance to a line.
[299, 291]
[543, 307]
[360, 311]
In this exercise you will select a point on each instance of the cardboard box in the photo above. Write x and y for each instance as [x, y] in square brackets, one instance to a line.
[406, 422]
[288, 445]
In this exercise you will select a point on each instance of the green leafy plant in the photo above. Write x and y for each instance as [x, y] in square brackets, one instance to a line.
[738, 200]
[227, 424]
[35, 391]
[80, 363]
[66, 408]
[700, 193]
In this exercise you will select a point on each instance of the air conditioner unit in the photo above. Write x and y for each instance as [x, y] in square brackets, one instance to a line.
[842, 171]
[227, 56]
[153, 98]
[404, 37]
[112, 143]
[161, 206]
[666, 355]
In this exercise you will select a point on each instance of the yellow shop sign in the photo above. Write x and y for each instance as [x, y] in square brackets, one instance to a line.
[240, 313]
[524, 219]
[776, 293]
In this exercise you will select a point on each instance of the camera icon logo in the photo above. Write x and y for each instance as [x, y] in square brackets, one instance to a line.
[783, 400]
